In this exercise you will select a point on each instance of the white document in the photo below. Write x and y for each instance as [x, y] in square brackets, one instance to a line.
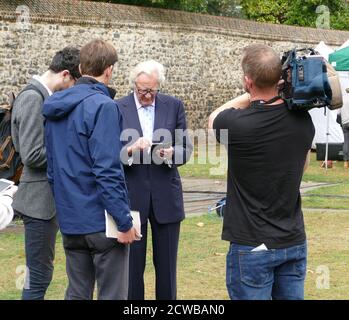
[111, 228]
[5, 185]
[262, 247]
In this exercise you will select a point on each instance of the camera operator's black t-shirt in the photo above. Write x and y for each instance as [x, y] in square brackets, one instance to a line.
[267, 149]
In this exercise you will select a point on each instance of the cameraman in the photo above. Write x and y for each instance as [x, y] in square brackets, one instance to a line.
[267, 153]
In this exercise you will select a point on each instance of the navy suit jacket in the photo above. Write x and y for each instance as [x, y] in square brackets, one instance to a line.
[159, 183]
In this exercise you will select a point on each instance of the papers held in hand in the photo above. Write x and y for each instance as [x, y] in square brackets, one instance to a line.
[5, 185]
[111, 228]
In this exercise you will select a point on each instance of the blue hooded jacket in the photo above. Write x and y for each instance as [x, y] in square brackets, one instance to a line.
[82, 137]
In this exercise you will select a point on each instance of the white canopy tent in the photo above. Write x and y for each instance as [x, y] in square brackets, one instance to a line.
[324, 50]
[344, 45]
[335, 132]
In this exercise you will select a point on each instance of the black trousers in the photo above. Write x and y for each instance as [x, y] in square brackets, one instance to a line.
[346, 142]
[40, 241]
[165, 239]
[95, 258]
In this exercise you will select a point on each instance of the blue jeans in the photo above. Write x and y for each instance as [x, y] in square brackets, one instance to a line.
[40, 240]
[276, 274]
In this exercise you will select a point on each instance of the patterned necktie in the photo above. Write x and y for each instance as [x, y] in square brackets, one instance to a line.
[148, 122]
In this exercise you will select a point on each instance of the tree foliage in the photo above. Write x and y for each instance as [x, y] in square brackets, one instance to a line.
[308, 13]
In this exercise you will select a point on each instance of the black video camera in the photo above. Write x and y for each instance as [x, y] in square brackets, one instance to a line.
[306, 83]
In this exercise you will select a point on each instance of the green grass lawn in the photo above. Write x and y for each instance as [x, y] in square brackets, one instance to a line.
[211, 163]
[336, 197]
[315, 173]
[202, 164]
[333, 197]
[201, 260]
[201, 167]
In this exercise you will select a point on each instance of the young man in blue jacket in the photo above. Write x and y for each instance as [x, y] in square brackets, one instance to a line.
[82, 135]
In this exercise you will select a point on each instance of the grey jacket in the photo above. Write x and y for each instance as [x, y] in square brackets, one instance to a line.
[34, 196]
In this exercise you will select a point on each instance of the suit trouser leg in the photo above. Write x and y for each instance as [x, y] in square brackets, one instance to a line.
[165, 238]
[138, 251]
[79, 268]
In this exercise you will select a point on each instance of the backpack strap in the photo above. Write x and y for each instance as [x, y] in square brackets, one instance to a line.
[32, 87]
[4, 146]
[7, 164]
[12, 97]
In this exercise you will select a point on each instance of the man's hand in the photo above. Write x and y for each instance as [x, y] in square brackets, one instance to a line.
[128, 237]
[140, 145]
[165, 153]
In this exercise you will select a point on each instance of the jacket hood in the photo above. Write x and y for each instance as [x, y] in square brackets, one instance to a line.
[60, 104]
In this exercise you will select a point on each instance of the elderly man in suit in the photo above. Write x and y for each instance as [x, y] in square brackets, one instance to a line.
[34, 201]
[152, 177]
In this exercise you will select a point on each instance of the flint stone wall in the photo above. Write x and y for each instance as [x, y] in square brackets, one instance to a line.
[201, 53]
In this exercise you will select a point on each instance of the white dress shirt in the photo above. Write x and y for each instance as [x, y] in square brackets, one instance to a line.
[146, 117]
[38, 78]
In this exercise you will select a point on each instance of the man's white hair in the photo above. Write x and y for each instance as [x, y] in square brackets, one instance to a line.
[148, 67]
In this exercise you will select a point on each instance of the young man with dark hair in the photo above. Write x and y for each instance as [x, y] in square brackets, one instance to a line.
[268, 148]
[34, 201]
[83, 145]
[66, 59]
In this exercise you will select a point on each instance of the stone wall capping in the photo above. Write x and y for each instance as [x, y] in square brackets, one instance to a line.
[7, 16]
[87, 13]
